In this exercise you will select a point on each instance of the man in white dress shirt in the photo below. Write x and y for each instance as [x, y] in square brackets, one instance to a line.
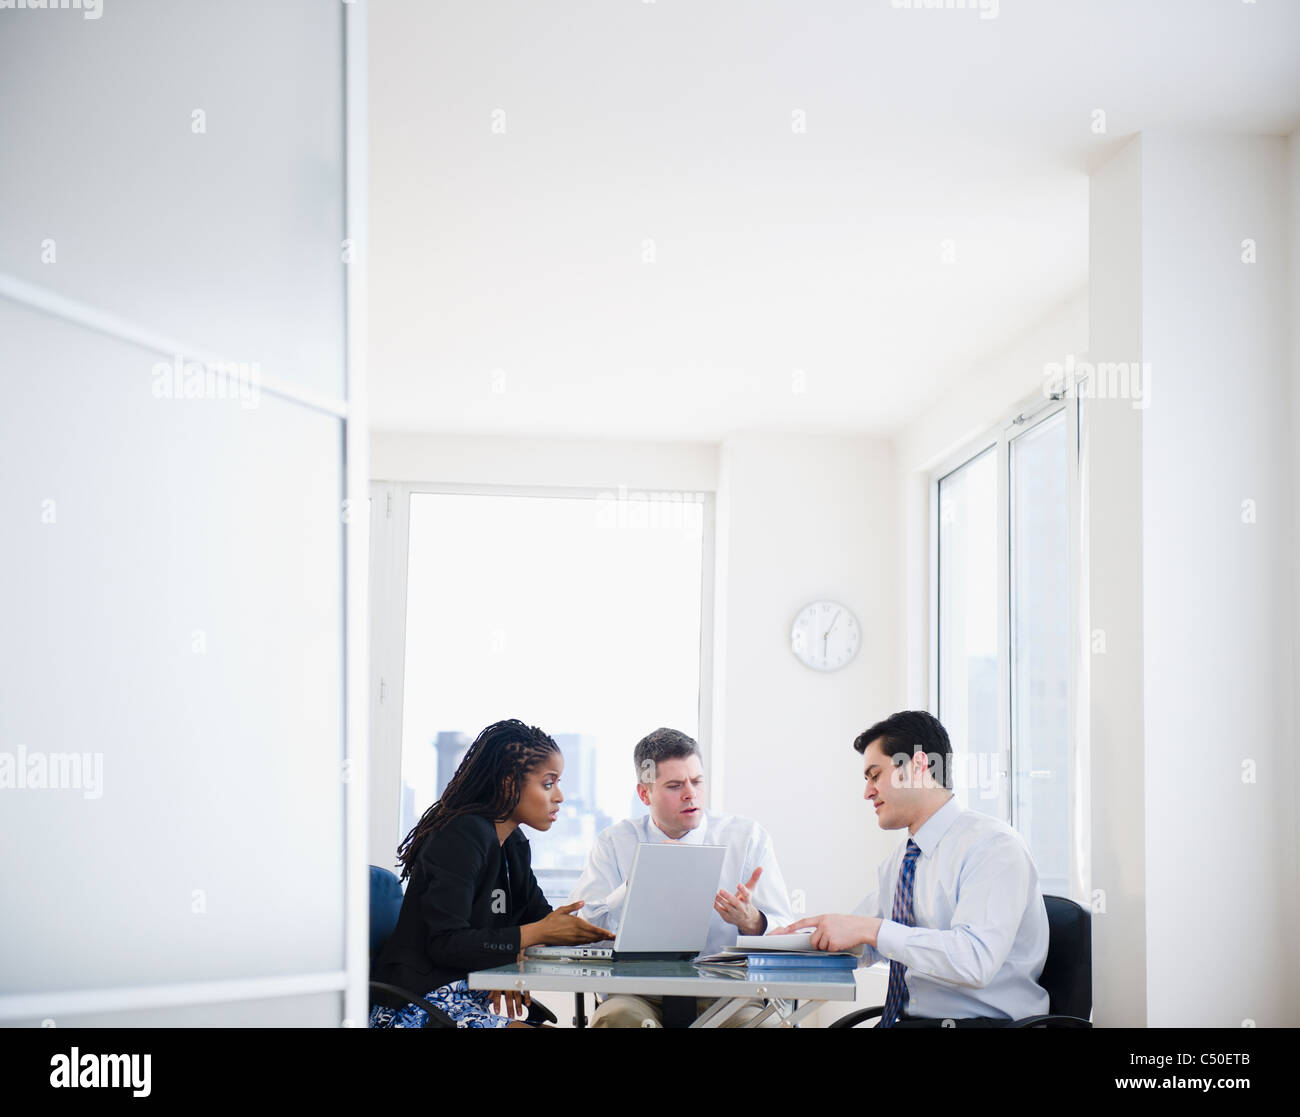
[670, 781]
[958, 910]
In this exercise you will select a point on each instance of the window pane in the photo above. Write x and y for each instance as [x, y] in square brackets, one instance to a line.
[581, 616]
[1040, 647]
[968, 629]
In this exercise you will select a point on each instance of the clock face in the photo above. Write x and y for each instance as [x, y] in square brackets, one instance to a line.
[825, 635]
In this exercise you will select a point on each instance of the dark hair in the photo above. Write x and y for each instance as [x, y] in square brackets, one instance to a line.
[662, 744]
[909, 732]
[488, 781]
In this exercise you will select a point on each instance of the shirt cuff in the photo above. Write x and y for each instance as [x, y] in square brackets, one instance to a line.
[891, 940]
[613, 903]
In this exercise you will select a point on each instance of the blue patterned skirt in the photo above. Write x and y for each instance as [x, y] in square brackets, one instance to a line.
[469, 1008]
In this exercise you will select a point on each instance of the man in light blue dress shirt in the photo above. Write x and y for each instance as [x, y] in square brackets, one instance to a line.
[977, 938]
[670, 781]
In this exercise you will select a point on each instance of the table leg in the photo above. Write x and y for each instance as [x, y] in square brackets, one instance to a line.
[768, 1009]
[799, 1013]
[720, 1012]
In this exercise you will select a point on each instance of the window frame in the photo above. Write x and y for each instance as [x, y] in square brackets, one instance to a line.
[389, 563]
[1030, 413]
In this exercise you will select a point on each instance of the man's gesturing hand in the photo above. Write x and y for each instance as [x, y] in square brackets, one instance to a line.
[738, 910]
[837, 932]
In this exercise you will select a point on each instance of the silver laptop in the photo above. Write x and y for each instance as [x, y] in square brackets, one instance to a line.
[669, 904]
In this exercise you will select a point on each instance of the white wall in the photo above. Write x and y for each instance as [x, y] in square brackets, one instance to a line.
[1219, 675]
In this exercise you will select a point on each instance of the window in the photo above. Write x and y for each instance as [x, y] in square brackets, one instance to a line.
[1003, 628]
[1040, 645]
[968, 628]
[579, 612]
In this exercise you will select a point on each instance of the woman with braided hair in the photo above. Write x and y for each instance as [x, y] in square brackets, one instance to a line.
[472, 902]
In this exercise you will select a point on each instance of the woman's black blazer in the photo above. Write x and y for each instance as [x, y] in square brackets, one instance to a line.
[466, 898]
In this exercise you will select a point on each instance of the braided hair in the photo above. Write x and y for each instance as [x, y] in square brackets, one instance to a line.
[488, 781]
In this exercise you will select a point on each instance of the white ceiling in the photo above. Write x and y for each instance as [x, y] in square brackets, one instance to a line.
[508, 291]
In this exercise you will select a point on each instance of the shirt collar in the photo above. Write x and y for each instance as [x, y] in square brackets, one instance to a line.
[936, 826]
[690, 838]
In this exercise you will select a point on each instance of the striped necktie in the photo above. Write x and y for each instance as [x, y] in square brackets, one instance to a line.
[896, 997]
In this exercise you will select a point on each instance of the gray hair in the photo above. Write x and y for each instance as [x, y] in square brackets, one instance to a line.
[662, 744]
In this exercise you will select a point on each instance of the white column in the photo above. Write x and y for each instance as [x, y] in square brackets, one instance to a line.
[1191, 582]
[1219, 577]
[1112, 509]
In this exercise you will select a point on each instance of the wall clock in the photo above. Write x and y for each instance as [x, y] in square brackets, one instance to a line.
[825, 635]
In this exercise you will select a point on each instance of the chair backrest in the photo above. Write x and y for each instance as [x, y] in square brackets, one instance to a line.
[1067, 973]
[385, 904]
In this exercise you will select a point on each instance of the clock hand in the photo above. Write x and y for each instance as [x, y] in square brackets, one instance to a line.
[832, 624]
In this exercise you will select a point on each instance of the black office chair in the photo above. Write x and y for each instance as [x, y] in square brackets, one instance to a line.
[1067, 972]
[385, 906]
